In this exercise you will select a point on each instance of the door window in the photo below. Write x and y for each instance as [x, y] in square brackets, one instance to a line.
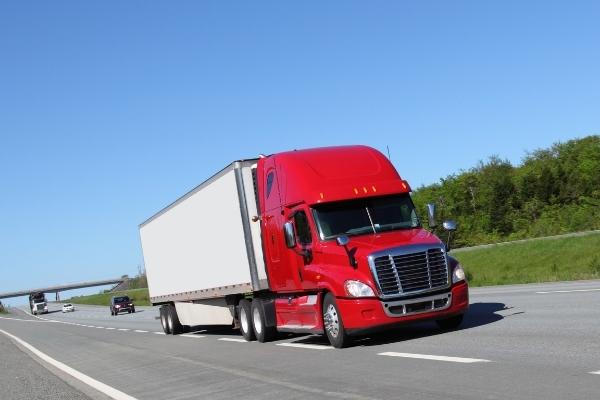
[302, 228]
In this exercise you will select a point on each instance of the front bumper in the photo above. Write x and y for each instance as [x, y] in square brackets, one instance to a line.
[364, 315]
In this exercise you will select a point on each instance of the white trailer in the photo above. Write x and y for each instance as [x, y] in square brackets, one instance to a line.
[203, 249]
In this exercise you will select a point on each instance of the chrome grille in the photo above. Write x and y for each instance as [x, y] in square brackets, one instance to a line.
[402, 273]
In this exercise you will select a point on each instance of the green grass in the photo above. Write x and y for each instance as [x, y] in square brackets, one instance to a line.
[548, 260]
[139, 296]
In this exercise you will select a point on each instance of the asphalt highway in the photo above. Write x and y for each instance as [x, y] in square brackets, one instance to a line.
[517, 342]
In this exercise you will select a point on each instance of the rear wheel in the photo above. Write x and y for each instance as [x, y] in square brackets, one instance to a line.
[450, 323]
[262, 332]
[175, 326]
[333, 324]
[245, 313]
[163, 319]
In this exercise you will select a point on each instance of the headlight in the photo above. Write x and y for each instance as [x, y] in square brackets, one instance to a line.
[458, 274]
[358, 289]
[117, 306]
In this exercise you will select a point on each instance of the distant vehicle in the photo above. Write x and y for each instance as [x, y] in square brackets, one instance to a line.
[121, 303]
[37, 303]
[68, 308]
[322, 241]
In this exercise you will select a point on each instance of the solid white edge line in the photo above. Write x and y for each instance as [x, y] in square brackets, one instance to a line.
[569, 291]
[432, 357]
[306, 346]
[226, 339]
[99, 386]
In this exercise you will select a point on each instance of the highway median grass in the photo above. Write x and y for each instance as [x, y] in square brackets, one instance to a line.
[546, 260]
[138, 296]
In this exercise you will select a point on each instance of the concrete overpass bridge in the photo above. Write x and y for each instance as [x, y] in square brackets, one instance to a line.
[61, 288]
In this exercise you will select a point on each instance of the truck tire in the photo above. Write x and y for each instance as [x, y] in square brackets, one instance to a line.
[451, 323]
[262, 332]
[163, 319]
[333, 324]
[175, 326]
[245, 314]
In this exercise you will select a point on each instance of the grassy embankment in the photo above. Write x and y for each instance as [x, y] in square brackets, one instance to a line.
[543, 260]
[139, 296]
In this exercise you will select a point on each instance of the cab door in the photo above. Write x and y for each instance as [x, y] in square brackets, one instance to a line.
[301, 255]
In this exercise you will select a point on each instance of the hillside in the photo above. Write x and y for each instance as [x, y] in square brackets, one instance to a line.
[553, 191]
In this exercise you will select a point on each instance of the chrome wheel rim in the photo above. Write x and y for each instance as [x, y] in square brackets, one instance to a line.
[170, 322]
[332, 321]
[257, 321]
[243, 319]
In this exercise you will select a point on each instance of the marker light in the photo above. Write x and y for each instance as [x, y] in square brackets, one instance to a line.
[355, 191]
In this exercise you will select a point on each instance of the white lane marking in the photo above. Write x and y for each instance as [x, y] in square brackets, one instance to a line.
[306, 346]
[20, 319]
[595, 372]
[101, 387]
[122, 329]
[140, 331]
[90, 326]
[100, 327]
[110, 329]
[434, 358]
[226, 339]
[569, 291]
[158, 333]
[192, 335]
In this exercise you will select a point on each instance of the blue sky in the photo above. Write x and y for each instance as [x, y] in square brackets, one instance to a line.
[109, 111]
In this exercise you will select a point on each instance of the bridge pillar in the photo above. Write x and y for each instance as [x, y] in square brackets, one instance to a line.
[57, 296]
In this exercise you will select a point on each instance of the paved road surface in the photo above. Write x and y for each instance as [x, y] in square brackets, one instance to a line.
[517, 342]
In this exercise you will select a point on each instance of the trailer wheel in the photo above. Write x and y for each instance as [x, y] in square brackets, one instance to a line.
[175, 326]
[333, 324]
[245, 313]
[163, 319]
[451, 323]
[262, 332]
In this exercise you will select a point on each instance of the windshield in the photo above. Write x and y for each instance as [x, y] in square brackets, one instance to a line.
[121, 299]
[363, 216]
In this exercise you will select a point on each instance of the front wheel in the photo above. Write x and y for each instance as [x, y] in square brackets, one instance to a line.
[333, 324]
[450, 323]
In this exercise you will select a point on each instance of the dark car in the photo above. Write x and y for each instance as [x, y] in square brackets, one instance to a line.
[121, 303]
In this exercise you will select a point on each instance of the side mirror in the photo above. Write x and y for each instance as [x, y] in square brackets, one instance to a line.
[288, 232]
[431, 215]
[342, 240]
[449, 225]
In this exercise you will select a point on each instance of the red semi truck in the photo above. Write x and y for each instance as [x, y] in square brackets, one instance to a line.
[323, 241]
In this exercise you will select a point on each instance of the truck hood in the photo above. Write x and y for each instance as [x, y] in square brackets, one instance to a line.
[367, 244]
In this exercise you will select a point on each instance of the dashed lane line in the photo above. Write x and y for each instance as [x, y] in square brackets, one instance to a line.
[99, 386]
[433, 358]
[192, 335]
[226, 339]
[569, 291]
[123, 329]
[595, 372]
[140, 331]
[306, 346]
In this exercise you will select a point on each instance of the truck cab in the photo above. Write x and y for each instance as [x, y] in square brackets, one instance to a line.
[345, 247]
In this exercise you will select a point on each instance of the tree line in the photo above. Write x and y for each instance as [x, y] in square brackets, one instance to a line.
[552, 191]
